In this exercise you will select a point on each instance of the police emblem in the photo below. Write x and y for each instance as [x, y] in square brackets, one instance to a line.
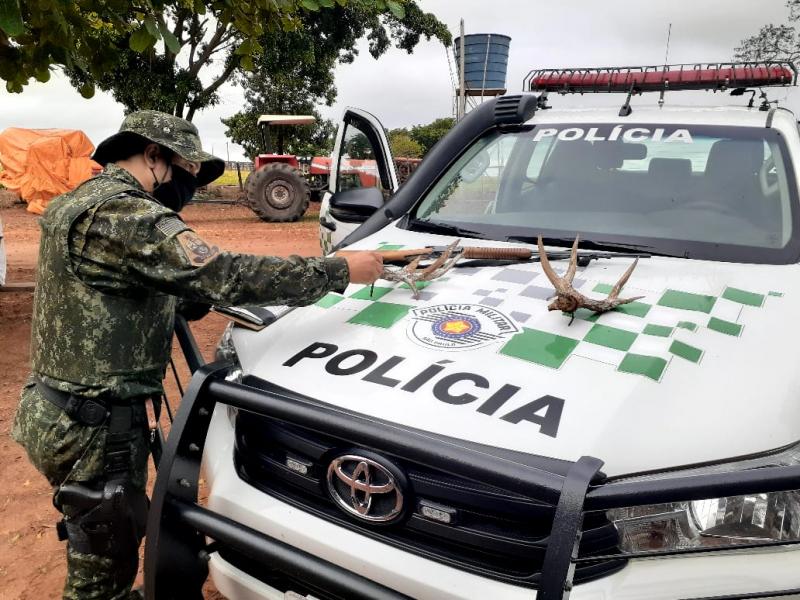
[456, 327]
[459, 326]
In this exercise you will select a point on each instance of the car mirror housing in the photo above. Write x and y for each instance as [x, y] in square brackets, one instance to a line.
[358, 201]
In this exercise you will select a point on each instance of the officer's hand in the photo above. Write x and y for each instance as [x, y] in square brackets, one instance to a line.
[365, 267]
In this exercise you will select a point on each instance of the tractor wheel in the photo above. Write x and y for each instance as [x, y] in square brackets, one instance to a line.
[277, 193]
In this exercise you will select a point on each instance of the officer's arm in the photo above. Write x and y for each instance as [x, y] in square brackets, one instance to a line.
[165, 254]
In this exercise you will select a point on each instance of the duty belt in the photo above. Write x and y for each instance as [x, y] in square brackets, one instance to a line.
[94, 412]
[87, 411]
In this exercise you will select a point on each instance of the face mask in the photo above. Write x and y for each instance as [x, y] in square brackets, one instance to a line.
[176, 192]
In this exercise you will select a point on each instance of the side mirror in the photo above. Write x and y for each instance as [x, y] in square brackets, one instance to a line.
[356, 205]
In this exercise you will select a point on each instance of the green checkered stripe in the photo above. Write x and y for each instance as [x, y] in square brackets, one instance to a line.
[326, 240]
[369, 305]
[640, 338]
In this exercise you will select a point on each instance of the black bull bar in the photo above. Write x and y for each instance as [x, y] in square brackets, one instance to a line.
[177, 550]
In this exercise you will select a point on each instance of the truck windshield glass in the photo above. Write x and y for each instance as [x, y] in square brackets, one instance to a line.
[718, 193]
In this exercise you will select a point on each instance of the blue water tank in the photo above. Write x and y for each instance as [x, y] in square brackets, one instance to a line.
[485, 60]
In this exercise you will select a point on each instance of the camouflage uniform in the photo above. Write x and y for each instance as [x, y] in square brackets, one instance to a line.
[112, 263]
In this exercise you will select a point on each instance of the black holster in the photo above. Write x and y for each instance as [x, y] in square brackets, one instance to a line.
[108, 522]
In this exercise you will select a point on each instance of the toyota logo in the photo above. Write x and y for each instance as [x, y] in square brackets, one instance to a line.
[365, 488]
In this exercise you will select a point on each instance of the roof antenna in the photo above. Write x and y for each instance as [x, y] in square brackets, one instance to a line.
[666, 63]
[626, 109]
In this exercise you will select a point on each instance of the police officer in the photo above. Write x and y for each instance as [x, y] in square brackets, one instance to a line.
[114, 258]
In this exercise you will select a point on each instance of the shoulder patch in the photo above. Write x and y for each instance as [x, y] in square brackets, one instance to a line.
[195, 249]
[171, 226]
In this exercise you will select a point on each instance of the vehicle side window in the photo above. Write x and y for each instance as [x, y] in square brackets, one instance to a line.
[358, 166]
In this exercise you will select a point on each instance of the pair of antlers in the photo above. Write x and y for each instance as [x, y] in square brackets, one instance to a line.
[412, 274]
[569, 300]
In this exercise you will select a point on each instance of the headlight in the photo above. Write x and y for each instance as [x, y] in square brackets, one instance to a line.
[714, 522]
[227, 351]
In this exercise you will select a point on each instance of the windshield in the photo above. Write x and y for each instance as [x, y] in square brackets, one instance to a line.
[719, 193]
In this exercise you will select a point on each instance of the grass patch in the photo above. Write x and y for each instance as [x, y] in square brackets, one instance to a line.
[230, 177]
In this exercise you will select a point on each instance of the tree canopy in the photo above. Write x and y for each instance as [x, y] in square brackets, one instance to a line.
[88, 35]
[174, 55]
[296, 73]
[774, 41]
[402, 145]
[415, 142]
[428, 135]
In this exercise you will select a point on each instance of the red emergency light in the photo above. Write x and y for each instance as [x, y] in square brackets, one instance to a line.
[697, 76]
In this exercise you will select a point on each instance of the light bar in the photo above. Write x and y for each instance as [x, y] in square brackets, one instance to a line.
[698, 76]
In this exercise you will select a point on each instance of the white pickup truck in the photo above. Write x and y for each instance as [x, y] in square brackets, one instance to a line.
[453, 439]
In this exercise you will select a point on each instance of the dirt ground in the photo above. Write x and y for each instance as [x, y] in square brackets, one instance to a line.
[31, 557]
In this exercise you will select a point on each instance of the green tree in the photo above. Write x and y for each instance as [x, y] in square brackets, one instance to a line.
[427, 135]
[422, 136]
[402, 145]
[296, 74]
[174, 55]
[213, 51]
[773, 42]
[300, 140]
[88, 36]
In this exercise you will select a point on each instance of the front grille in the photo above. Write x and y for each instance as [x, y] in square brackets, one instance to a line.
[497, 533]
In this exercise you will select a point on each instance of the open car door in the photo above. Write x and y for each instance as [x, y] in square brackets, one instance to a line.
[362, 177]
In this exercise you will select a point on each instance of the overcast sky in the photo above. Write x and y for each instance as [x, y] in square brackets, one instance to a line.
[404, 89]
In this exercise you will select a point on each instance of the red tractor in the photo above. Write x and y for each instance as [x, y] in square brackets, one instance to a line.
[278, 188]
[281, 186]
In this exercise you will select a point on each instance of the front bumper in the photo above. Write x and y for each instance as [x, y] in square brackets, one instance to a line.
[277, 537]
[728, 573]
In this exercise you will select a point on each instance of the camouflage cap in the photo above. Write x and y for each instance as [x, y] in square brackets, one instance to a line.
[179, 135]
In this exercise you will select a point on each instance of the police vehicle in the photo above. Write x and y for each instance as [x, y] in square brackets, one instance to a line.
[451, 438]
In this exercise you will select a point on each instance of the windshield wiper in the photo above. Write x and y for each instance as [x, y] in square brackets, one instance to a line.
[444, 228]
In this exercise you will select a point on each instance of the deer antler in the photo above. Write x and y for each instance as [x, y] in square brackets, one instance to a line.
[411, 273]
[567, 299]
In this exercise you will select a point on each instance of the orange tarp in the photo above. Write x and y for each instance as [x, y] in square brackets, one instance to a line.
[40, 164]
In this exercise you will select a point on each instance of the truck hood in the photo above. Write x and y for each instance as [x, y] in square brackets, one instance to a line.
[701, 369]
